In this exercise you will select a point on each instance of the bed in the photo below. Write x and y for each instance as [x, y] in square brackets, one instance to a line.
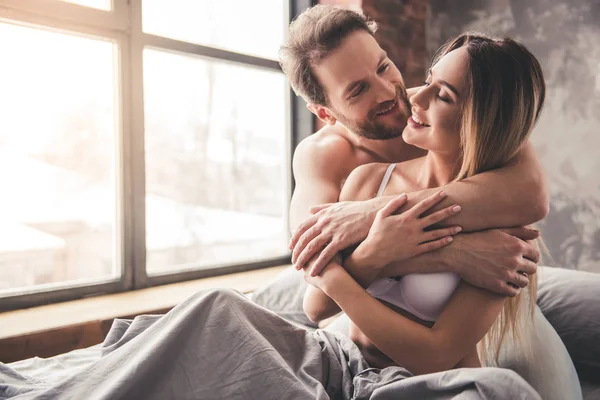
[177, 356]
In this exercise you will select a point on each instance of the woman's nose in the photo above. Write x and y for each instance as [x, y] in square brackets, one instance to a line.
[420, 99]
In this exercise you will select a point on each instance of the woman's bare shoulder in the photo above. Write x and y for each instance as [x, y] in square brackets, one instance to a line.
[404, 177]
[363, 182]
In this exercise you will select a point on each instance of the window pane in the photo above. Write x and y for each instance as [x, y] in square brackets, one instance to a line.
[57, 141]
[216, 166]
[100, 4]
[236, 25]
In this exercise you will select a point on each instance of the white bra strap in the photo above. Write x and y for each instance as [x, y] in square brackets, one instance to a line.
[386, 179]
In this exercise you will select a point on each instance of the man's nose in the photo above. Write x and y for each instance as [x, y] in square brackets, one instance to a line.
[386, 91]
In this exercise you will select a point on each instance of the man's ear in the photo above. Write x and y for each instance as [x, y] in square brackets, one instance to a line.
[322, 113]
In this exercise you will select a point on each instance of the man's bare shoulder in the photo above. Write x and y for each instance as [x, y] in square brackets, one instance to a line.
[327, 148]
[329, 139]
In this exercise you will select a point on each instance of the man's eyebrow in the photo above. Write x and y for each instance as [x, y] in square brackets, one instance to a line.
[443, 82]
[350, 88]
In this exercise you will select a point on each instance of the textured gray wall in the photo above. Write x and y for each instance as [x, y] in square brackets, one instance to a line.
[564, 35]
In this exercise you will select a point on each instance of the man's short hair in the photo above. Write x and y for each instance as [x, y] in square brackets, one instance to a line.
[312, 36]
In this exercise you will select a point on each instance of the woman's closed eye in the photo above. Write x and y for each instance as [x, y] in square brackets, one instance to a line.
[383, 68]
[442, 98]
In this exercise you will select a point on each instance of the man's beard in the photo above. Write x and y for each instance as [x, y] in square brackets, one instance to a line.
[374, 130]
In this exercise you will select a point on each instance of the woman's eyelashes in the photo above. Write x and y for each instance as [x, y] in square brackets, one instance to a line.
[383, 68]
[442, 98]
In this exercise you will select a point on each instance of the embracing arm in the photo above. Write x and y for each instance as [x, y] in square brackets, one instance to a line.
[514, 195]
[381, 246]
[465, 320]
[317, 176]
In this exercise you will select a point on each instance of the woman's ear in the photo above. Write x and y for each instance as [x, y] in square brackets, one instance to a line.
[322, 113]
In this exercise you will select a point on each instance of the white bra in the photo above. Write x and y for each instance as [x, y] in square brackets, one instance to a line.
[423, 295]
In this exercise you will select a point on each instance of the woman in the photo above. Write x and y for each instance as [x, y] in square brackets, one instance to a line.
[478, 106]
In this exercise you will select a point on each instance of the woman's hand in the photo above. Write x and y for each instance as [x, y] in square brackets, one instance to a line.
[399, 237]
[333, 274]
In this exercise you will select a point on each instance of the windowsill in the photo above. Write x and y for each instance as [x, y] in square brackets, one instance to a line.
[58, 328]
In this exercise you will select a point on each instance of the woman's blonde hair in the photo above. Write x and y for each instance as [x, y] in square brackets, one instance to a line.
[505, 92]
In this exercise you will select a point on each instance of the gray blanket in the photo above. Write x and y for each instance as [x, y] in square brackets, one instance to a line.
[220, 345]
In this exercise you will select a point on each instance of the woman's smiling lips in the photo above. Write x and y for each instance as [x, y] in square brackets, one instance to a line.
[416, 123]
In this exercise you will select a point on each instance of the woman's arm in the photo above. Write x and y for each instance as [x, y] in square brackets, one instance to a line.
[465, 320]
[409, 239]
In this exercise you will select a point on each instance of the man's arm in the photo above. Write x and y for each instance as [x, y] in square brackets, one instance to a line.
[319, 168]
[514, 195]
[317, 180]
[364, 267]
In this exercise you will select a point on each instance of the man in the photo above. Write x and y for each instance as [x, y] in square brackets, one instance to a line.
[332, 61]
[350, 84]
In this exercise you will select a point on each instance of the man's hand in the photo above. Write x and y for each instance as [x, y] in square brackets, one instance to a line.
[499, 260]
[332, 228]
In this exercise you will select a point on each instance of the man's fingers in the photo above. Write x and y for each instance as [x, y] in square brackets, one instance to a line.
[425, 205]
[433, 245]
[519, 280]
[316, 209]
[306, 238]
[303, 254]
[528, 266]
[324, 258]
[510, 290]
[393, 205]
[440, 215]
[303, 227]
[531, 252]
[522, 233]
[440, 233]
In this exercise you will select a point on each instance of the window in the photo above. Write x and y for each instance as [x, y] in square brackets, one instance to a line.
[99, 4]
[215, 155]
[142, 142]
[57, 157]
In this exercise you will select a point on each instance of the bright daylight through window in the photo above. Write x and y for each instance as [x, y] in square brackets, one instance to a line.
[183, 96]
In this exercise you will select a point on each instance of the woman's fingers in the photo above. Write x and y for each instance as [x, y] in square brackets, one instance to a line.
[433, 245]
[425, 205]
[440, 233]
[440, 215]
[393, 206]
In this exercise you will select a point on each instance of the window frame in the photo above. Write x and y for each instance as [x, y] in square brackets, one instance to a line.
[123, 24]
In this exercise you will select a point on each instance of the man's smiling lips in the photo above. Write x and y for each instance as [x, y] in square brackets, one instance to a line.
[387, 110]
